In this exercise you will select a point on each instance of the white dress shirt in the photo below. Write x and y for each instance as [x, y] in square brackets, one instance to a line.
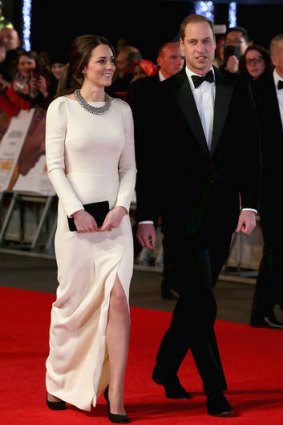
[161, 76]
[279, 93]
[204, 96]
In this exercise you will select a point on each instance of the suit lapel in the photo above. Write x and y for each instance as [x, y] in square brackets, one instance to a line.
[189, 110]
[268, 97]
[223, 95]
[185, 99]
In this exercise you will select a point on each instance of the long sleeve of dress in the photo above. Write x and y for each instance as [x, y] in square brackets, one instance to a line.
[127, 164]
[56, 128]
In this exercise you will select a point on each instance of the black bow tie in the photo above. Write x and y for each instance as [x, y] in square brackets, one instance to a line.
[280, 84]
[197, 80]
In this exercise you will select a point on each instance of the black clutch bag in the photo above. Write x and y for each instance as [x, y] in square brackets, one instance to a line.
[98, 210]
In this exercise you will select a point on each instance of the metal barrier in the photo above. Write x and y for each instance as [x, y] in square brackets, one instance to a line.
[27, 222]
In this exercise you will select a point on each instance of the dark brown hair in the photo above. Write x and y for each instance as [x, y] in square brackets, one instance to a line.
[79, 55]
[265, 56]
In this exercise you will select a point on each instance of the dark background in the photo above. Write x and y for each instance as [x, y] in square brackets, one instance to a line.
[145, 24]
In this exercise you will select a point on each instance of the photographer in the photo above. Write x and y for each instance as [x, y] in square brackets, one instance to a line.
[235, 44]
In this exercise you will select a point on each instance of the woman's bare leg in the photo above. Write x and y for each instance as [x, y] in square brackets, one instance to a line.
[117, 338]
[51, 397]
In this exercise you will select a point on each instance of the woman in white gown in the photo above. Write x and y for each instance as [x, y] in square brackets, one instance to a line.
[90, 158]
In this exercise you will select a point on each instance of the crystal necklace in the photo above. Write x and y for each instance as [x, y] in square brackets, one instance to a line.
[92, 109]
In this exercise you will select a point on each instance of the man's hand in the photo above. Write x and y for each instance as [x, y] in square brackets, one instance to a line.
[146, 235]
[246, 222]
[232, 64]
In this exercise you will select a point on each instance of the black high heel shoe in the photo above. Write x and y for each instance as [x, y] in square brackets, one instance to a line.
[114, 417]
[56, 405]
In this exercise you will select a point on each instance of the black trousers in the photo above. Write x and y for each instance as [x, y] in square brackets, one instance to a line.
[269, 284]
[197, 266]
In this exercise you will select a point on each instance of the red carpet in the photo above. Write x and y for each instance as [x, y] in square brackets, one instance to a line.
[252, 360]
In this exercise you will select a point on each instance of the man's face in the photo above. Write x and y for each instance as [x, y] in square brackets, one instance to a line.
[277, 58]
[171, 59]
[122, 64]
[10, 39]
[198, 46]
[235, 38]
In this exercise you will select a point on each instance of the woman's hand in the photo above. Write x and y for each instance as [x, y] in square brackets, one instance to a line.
[84, 222]
[113, 219]
[42, 86]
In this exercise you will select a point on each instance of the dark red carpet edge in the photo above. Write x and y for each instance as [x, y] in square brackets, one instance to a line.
[252, 360]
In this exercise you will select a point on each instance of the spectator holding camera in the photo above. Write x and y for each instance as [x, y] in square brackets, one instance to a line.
[235, 44]
[29, 89]
[30, 85]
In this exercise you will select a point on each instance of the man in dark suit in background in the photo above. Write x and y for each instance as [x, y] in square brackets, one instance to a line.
[236, 42]
[202, 155]
[170, 61]
[268, 94]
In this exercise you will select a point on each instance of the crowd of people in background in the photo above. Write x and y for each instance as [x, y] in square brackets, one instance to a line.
[31, 78]
[26, 78]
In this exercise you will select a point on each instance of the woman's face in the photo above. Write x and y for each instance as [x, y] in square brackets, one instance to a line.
[254, 63]
[57, 69]
[26, 65]
[101, 66]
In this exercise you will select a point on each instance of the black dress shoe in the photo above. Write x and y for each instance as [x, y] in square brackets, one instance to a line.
[218, 405]
[267, 322]
[114, 417]
[56, 405]
[172, 386]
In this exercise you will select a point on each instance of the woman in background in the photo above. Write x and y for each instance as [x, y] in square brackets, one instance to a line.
[255, 62]
[30, 84]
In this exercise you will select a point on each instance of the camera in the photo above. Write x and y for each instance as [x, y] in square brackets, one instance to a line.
[231, 51]
[35, 75]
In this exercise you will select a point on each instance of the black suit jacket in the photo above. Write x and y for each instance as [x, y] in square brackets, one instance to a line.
[140, 89]
[141, 95]
[178, 177]
[271, 140]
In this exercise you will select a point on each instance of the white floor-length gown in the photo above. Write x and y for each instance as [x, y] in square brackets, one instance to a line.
[90, 158]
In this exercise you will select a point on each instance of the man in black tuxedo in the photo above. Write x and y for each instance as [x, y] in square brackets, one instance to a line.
[268, 94]
[170, 61]
[198, 168]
